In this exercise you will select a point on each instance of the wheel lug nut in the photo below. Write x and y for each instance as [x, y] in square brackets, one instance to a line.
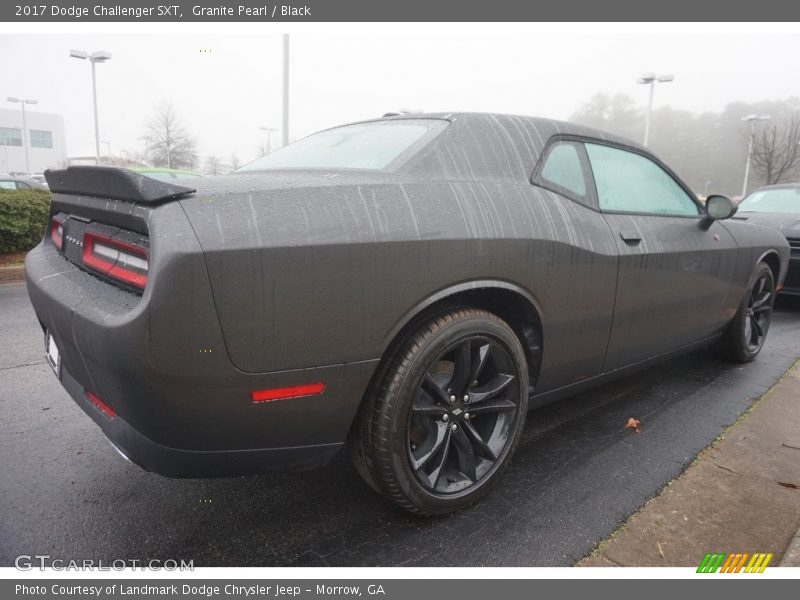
[454, 427]
[466, 398]
[445, 417]
[467, 416]
[452, 398]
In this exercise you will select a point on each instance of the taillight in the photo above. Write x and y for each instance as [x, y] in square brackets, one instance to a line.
[57, 232]
[123, 261]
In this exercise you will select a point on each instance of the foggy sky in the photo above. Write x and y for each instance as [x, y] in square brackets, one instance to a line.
[227, 91]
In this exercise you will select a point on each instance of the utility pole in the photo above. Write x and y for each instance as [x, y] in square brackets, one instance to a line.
[285, 132]
[25, 137]
[651, 79]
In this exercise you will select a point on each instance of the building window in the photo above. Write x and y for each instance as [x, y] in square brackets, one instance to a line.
[41, 139]
[10, 136]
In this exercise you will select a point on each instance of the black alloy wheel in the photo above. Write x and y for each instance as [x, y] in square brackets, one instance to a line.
[462, 415]
[747, 332]
[759, 312]
[444, 413]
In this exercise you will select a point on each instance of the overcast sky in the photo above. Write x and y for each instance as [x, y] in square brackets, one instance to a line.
[226, 92]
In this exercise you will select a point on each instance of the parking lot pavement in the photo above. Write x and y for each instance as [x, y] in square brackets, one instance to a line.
[576, 476]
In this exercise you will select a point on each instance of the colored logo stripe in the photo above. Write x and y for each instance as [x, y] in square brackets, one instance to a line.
[734, 562]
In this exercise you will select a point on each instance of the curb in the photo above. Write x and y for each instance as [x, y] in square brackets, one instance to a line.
[791, 558]
[11, 274]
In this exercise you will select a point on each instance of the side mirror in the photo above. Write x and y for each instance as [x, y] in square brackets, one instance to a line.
[717, 208]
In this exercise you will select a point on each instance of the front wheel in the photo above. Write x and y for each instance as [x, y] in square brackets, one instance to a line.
[445, 414]
[747, 332]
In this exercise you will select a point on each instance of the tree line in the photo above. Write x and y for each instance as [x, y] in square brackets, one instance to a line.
[709, 150]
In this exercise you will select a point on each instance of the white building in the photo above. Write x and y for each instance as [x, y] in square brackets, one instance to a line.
[44, 139]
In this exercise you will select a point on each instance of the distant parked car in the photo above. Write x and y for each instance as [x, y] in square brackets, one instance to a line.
[778, 206]
[11, 182]
[166, 174]
[40, 179]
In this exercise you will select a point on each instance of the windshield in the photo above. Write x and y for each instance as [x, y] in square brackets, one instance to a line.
[371, 146]
[780, 200]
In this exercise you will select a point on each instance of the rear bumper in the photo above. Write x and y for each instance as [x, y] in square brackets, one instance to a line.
[177, 462]
[160, 362]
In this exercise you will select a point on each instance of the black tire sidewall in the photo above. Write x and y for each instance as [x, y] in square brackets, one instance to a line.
[735, 345]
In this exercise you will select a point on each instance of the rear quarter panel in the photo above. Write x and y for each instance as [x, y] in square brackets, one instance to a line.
[321, 275]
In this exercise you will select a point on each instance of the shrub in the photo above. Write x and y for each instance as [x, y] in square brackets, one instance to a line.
[23, 219]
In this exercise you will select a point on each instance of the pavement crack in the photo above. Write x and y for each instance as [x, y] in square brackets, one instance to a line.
[33, 364]
[789, 446]
[725, 469]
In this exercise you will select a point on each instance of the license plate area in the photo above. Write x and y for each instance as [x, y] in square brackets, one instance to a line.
[52, 354]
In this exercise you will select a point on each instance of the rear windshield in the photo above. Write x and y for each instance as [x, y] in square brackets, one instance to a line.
[371, 146]
[781, 200]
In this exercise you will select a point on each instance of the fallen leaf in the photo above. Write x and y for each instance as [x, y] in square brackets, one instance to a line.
[633, 424]
[660, 551]
[791, 486]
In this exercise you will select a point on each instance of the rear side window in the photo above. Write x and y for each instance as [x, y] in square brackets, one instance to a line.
[630, 182]
[373, 146]
[562, 170]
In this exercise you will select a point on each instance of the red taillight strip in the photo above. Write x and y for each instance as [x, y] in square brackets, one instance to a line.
[57, 232]
[93, 261]
[100, 405]
[284, 393]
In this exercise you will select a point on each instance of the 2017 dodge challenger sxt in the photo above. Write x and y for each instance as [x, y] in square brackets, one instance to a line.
[409, 286]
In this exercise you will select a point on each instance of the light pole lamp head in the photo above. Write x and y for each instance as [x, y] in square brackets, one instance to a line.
[79, 54]
[100, 56]
[647, 78]
[13, 99]
[31, 101]
[665, 78]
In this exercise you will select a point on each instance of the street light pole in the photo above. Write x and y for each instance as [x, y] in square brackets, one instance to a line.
[268, 130]
[94, 57]
[285, 132]
[651, 79]
[25, 139]
[752, 119]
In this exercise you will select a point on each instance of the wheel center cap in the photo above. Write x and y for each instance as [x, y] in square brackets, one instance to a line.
[457, 412]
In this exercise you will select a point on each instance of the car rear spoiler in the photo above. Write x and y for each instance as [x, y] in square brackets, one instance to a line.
[115, 184]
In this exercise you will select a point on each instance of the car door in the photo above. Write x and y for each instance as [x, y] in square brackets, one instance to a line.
[674, 272]
[578, 296]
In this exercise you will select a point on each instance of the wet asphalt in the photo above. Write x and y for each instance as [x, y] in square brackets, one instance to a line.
[576, 475]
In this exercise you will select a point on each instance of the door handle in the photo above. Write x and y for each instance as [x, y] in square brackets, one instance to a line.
[631, 237]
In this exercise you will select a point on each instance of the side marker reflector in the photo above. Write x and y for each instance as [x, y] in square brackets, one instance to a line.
[100, 405]
[284, 393]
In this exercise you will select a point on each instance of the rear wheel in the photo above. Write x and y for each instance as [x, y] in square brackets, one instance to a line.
[748, 330]
[445, 414]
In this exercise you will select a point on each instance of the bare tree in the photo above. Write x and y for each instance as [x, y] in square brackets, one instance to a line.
[262, 150]
[776, 150]
[169, 144]
[234, 162]
[214, 166]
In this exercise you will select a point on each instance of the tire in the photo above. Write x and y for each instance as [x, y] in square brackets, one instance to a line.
[445, 412]
[747, 331]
